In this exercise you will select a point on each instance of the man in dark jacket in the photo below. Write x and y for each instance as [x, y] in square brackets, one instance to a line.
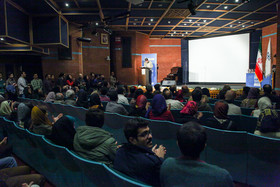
[139, 159]
[94, 143]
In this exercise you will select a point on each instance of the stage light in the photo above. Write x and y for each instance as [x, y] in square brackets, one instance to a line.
[152, 19]
[2, 39]
[66, 4]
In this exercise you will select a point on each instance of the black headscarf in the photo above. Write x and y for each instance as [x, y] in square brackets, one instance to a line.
[82, 99]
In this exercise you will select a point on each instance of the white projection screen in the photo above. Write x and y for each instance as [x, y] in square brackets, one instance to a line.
[223, 59]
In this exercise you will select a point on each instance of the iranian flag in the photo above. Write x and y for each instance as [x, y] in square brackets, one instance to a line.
[258, 69]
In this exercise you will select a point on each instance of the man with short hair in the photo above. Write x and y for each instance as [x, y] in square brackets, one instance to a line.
[268, 93]
[196, 96]
[103, 94]
[21, 83]
[157, 89]
[139, 158]
[36, 83]
[94, 143]
[59, 98]
[113, 106]
[189, 170]
[232, 108]
[121, 98]
[47, 84]
[70, 97]
[175, 104]
[149, 92]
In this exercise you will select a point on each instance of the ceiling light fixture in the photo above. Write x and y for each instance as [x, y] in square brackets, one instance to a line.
[135, 19]
[185, 24]
[236, 1]
[190, 20]
[205, 21]
[186, 32]
[198, 24]
[2, 39]
[239, 22]
[160, 5]
[230, 25]
[183, 35]
[174, 32]
[169, 22]
[96, 23]
[149, 23]
[243, 26]
[225, 7]
[245, 1]
[208, 6]
[67, 4]
[152, 19]
[171, 34]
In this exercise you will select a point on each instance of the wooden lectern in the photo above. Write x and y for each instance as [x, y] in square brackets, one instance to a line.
[144, 74]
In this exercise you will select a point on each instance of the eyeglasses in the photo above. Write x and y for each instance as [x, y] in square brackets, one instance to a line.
[145, 134]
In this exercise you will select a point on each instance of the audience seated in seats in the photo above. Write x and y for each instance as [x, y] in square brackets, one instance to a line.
[205, 91]
[132, 90]
[82, 100]
[113, 106]
[268, 123]
[157, 89]
[268, 93]
[40, 124]
[183, 94]
[232, 108]
[158, 110]
[139, 158]
[20, 176]
[94, 143]
[189, 170]
[121, 98]
[175, 104]
[47, 84]
[70, 98]
[13, 115]
[24, 115]
[189, 113]
[263, 103]
[95, 102]
[137, 93]
[50, 97]
[252, 98]
[5, 108]
[103, 94]
[245, 92]
[63, 132]
[223, 92]
[139, 109]
[69, 80]
[197, 96]
[59, 98]
[220, 118]
[173, 90]
[149, 92]
[28, 92]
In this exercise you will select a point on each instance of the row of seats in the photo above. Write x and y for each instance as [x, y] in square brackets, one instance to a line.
[249, 158]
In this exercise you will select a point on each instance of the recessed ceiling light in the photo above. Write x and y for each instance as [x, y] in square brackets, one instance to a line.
[185, 24]
[239, 22]
[174, 32]
[230, 25]
[205, 21]
[135, 19]
[160, 5]
[2, 39]
[252, 22]
[183, 35]
[236, 1]
[171, 34]
[190, 20]
[96, 23]
[243, 26]
[169, 22]
[208, 6]
[66, 4]
[225, 7]
[149, 23]
[152, 19]
[134, 23]
[186, 32]
[198, 24]
[140, 5]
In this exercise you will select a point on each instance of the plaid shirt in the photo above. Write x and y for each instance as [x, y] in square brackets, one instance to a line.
[37, 84]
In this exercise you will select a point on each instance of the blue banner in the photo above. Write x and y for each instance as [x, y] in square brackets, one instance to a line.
[252, 80]
[153, 58]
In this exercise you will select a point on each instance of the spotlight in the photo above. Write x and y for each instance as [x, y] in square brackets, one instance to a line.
[67, 4]
[245, 1]
[2, 39]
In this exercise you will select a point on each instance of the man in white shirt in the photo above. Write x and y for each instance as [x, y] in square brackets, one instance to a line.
[21, 83]
[149, 64]
[121, 98]
[175, 104]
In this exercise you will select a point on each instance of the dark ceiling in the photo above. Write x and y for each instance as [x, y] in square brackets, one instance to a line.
[163, 18]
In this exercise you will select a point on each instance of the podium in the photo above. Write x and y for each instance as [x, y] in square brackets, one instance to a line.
[144, 74]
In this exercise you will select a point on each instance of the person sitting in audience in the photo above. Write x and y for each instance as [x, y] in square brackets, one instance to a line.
[11, 93]
[95, 102]
[158, 110]
[175, 104]
[157, 89]
[149, 92]
[232, 108]
[59, 98]
[5, 108]
[40, 123]
[245, 92]
[268, 93]
[220, 118]
[70, 98]
[69, 80]
[139, 158]
[47, 84]
[268, 123]
[132, 90]
[263, 103]
[121, 98]
[197, 96]
[29, 93]
[183, 94]
[82, 100]
[252, 98]
[139, 109]
[50, 97]
[113, 106]
[103, 94]
[24, 115]
[205, 91]
[189, 113]
[13, 115]
[63, 132]
[223, 92]
[173, 90]
[189, 170]
[137, 93]
[94, 143]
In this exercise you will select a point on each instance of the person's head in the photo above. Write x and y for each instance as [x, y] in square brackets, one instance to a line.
[226, 87]
[158, 105]
[246, 90]
[120, 89]
[221, 109]
[149, 88]
[35, 76]
[113, 73]
[104, 90]
[70, 94]
[167, 94]
[190, 108]
[61, 75]
[173, 88]
[196, 95]
[113, 95]
[222, 94]
[59, 96]
[205, 91]
[230, 95]
[267, 89]
[94, 99]
[80, 76]
[146, 59]
[132, 89]
[69, 77]
[52, 76]
[264, 103]
[11, 75]
[138, 92]
[94, 118]
[191, 138]
[157, 87]
[137, 132]
[254, 93]
[141, 102]
[185, 89]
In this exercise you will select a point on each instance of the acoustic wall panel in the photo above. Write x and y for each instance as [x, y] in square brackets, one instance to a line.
[64, 32]
[2, 19]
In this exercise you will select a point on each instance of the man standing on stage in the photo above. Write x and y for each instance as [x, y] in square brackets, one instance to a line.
[148, 64]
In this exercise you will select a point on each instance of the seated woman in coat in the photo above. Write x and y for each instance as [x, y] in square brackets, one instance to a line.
[189, 113]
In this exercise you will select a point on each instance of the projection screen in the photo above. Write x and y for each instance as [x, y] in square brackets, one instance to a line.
[219, 59]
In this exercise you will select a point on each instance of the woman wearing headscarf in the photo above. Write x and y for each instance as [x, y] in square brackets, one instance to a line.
[220, 119]
[95, 102]
[5, 108]
[158, 110]
[263, 103]
[252, 98]
[189, 113]
[40, 123]
[82, 100]
[50, 97]
[63, 132]
[69, 80]
[24, 115]
[139, 109]
[136, 94]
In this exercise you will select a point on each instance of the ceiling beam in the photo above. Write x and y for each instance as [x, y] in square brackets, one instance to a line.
[77, 4]
[127, 19]
[54, 4]
[100, 11]
[162, 16]
[150, 5]
[143, 21]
